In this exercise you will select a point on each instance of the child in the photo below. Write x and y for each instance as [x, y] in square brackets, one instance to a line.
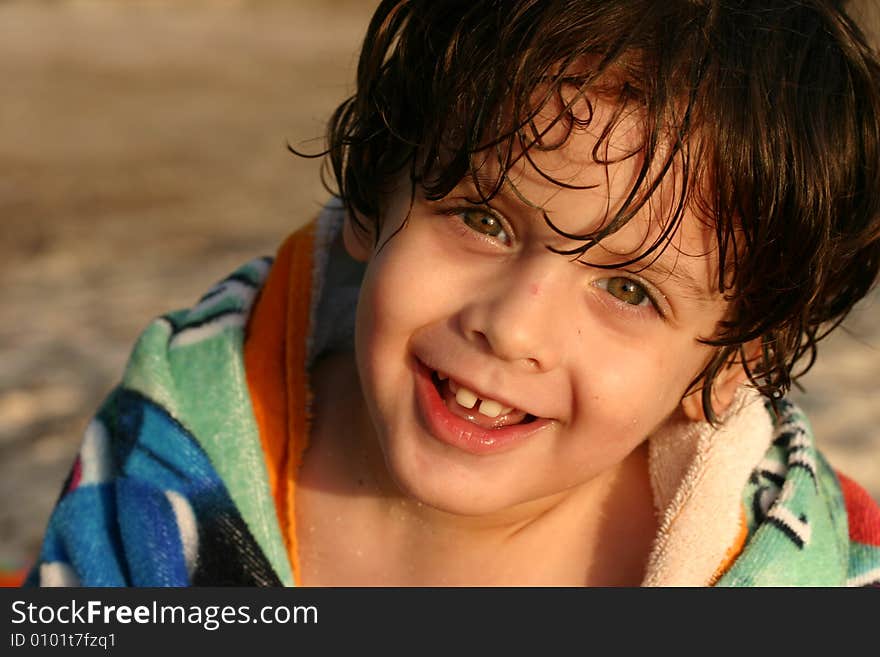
[587, 242]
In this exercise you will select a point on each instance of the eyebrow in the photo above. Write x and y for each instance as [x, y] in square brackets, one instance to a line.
[467, 185]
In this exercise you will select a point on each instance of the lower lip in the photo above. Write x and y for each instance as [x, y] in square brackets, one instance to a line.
[458, 432]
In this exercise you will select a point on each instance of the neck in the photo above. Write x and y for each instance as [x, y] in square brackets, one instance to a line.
[596, 534]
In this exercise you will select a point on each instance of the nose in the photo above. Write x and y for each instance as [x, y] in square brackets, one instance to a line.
[520, 317]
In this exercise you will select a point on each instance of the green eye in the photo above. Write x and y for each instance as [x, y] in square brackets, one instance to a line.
[485, 224]
[627, 290]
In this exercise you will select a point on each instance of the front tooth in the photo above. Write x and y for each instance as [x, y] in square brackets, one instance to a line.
[442, 376]
[465, 397]
[491, 408]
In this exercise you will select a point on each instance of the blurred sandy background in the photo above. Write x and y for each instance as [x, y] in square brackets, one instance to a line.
[142, 157]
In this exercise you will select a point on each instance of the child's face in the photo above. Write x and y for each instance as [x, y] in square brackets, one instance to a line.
[600, 358]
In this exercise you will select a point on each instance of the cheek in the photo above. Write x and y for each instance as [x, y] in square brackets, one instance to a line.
[633, 389]
[398, 296]
[375, 341]
[393, 298]
[412, 282]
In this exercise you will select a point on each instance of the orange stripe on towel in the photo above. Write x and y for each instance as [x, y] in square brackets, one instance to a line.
[12, 578]
[275, 364]
[735, 549]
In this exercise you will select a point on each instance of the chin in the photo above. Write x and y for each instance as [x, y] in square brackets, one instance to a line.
[462, 503]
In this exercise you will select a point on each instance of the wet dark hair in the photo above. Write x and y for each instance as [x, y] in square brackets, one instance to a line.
[765, 114]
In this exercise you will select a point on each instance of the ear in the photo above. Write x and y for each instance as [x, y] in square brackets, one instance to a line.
[358, 241]
[724, 387]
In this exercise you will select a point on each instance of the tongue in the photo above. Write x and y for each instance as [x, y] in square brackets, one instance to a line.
[473, 414]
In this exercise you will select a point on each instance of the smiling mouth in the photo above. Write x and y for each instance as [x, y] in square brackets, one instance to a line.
[468, 424]
[485, 412]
